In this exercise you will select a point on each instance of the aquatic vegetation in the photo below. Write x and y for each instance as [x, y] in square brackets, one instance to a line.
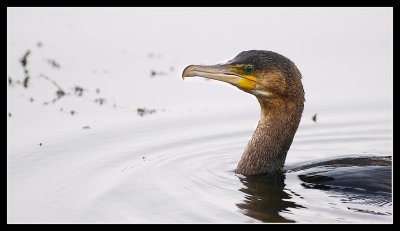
[53, 63]
[144, 111]
[100, 101]
[154, 73]
[10, 81]
[78, 90]
[24, 63]
[24, 59]
[62, 91]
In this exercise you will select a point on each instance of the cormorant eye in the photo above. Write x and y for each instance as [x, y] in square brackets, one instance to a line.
[248, 69]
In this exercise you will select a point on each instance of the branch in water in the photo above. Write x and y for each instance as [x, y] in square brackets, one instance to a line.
[60, 92]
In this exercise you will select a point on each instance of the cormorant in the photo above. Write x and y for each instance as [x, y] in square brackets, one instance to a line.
[276, 83]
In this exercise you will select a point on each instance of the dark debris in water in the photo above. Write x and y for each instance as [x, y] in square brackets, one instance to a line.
[10, 81]
[78, 90]
[26, 81]
[100, 101]
[53, 63]
[24, 59]
[50, 80]
[40, 144]
[154, 73]
[70, 112]
[86, 127]
[144, 111]
[9, 114]
[60, 93]
[314, 118]
[24, 63]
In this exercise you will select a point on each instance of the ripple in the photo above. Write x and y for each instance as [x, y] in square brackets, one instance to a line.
[183, 171]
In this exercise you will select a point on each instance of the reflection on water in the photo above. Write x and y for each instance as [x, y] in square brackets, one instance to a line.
[265, 198]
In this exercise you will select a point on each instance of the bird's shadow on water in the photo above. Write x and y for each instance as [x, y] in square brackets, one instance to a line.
[265, 198]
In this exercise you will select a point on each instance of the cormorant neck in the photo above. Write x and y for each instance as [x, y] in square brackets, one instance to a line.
[267, 149]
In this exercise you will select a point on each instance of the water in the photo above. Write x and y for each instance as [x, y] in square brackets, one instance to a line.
[183, 171]
[105, 163]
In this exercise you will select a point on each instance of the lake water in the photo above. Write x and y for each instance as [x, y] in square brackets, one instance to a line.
[127, 141]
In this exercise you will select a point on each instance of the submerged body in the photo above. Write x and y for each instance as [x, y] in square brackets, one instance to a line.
[276, 83]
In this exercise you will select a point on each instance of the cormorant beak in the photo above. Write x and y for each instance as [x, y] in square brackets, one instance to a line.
[222, 73]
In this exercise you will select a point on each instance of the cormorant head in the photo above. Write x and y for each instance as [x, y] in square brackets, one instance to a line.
[265, 74]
